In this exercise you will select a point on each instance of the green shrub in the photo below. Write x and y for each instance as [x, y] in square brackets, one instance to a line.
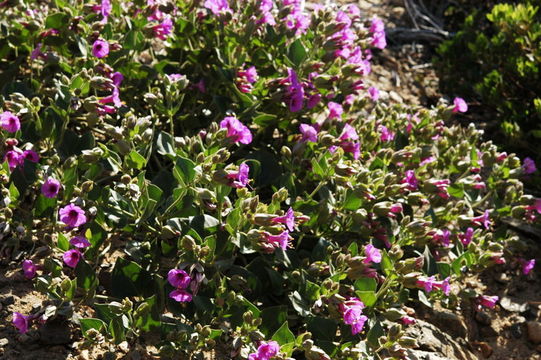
[499, 64]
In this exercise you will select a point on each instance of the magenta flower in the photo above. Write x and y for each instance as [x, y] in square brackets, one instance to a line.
[239, 179]
[265, 6]
[443, 286]
[100, 48]
[281, 240]
[408, 320]
[441, 187]
[30, 155]
[14, 158]
[352, 147]
[179, 278]
[113, 98]
[460, 105]
[527, 265]
[72, 257]
[373, 92]
[36, 53]
[487, 301]
[249, 74]
[295, 91]
[442, 237]
[377, 28]
[335, 110]
[10, 122]
[313, 100]
[236, 131]
[410, 180]
[373, 254]
[21, 322]
[528, 166]
[385, 134]
[395, 209]
[29, 269]
[288, 219]
[352, 315]
[164, 28]
[80, 242]
[217, 7]
[72, 215]
[265, 351]
[427, 283]
[297, 21]
[467, 237]
[117, 78]
[180, 295]
[427, 160]
[309, 133]
[104, 9]
[482, 220]
[50, 187]
[349, 133]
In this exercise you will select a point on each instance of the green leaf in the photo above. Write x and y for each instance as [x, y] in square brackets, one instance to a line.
[264, 119]
[321, 328]
[129, 279]
[184, 170]
[366, 284]
[456, 190]
[283, 335]
[386, 263]
[368, 297]
[165, 144]
[57, 21]
[117, 330]
[272, 318]
[135, 160]
[147, 316]
[297, 53]
[13, 192]
[63, 243]
[43, 204]
[90, 323]
[423, 299]
[86, 276]
[376, 331]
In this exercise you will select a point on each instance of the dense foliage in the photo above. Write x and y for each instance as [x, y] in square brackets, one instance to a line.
[219, 174]
[495, 58]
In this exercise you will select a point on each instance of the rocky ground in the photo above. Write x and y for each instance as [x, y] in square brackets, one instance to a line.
[404, 73]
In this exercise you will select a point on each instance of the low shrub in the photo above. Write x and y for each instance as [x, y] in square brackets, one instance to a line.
[495, 58]
[218, 174]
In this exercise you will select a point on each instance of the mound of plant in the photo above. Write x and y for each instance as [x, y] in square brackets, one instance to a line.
[495, 58]
[217, 174]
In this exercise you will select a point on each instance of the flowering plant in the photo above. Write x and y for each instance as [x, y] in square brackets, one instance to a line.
[217, 172]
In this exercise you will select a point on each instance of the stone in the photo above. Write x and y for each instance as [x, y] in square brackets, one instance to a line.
[516, 330]
[438, 343]
[486, 349]
[483, 318]
[508, 304]
[8, 300]
[55, 333]
[534, 331]
[502, 278]
[4, 342]
[84, 355]
[451, 322]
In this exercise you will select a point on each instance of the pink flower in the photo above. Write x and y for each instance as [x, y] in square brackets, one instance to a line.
[309, 133]
[21, 322]
[385, 134]
[528, 167]
[352, 147]
[467, 237]
[460, 105]
[236, 131]
[14, 158]
[217, 7]
[50, 187]
[281, 240]
[349, 133]
[249, 74]
[36, 53]
[117, 78]
[410, 180]
[72, 257]
[288, 219]
[29, 269]
[443, 286]
[373, 254]
[487, 301]
[100, 48]
[72, 215]
[442, 237]
[295, 91]
[180, 295]
[527, 265]
[164, 28]
[297, 21]
[373, 92]
[395, 209]
[179, 278]
[30, 155]
[239, 179]
[351, 311]
[377, 28]
[104, 9]
[10, 122]
[426, 283]
[408, 320]
[265, 6]
[427, 160]
[501, 157]
[335, 110]
[80, 242]
[200, 85]
[268, 349]
[482, 220]
[313, 100]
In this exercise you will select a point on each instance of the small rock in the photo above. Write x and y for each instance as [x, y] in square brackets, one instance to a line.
[534, 331]
[55, 333]
[516, 331]
[4, 342]
[538, 348]
[502, 278]
[486, 349]
[487, 332]
[8, 300]
[512, 306]
[84, 355]
[483, 318]
[124, 347]
[451, 322]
